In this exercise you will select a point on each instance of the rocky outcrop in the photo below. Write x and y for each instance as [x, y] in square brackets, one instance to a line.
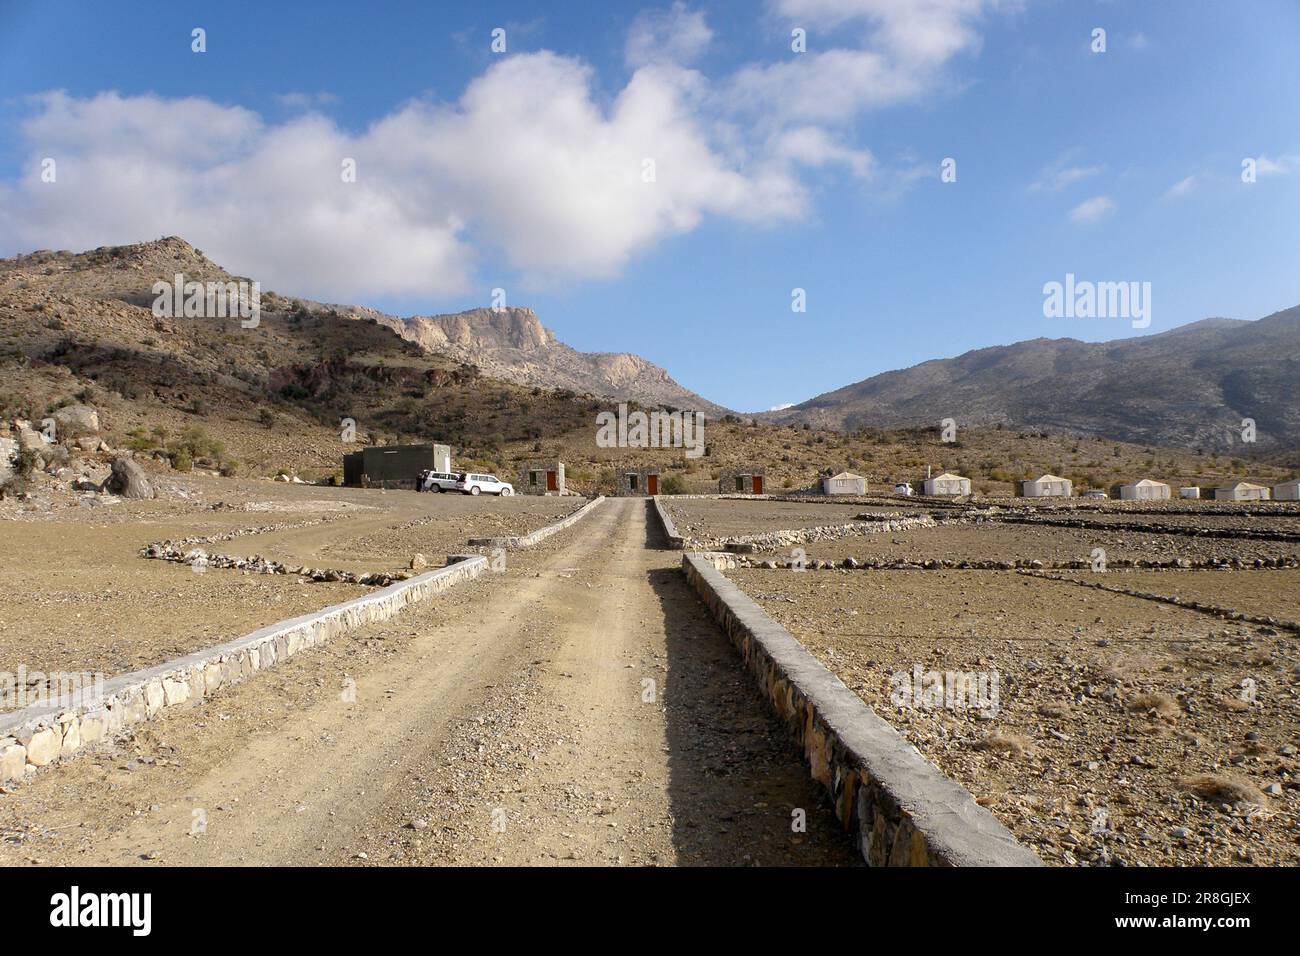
[128, 480]
[512, 344]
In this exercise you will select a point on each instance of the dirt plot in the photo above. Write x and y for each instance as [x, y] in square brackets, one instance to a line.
[77, 596]
[1282, 518]
[1126, 730]
[1273, 593]
[714, 518]
[1010, 542]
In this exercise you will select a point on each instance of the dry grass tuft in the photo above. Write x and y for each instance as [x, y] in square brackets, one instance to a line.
[1164, 706]
[1054, 710]
[1221, 788]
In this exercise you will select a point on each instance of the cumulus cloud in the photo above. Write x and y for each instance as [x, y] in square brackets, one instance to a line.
[902, 50]
[535, 168]
[1092, 210]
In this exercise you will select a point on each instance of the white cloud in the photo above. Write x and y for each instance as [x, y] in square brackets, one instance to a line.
[535, 168]
[1281, 166]
[902, 47]
[675, 35]
[1181, 188]
[1061, 174]
[1092, 210]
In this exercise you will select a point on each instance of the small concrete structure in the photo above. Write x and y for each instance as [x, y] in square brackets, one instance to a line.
[637, 481]
[1144, 490]
[1287, 490]
[1241, 491]
[394, 466]
[947, 484]
[1046, 486]
[1191, 491]
[541, 478]
[845, 483]
[747, 481]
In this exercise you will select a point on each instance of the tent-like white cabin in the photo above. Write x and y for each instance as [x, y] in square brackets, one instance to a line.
[1241, 491]
[946, 484]
[845, 483]
[1046, 486]
[1144, 490]
[1287, 490]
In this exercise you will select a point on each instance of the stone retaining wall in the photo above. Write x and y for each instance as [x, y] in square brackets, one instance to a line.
[779, 540]
[541, 534]
[902, 810]
[675, 540]
[43, 734]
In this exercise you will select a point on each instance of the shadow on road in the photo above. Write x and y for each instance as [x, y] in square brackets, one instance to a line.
[735, 775]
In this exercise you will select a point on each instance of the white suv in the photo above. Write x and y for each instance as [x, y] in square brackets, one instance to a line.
[437, 481]
[478, 484]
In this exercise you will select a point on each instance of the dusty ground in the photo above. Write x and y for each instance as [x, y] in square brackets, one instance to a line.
[718, 517]
[524, 695]
[1010, 542]
[1108, 705]
[79, 598]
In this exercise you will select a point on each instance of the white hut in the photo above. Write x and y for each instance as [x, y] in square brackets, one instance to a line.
[1288, 490]
[1046, 486]
[845, 483]
[1192, 491]
[1241, 491]
[1144, 490]
[946, 484]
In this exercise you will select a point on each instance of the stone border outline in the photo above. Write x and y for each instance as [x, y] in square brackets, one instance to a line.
[675, 541]
[903, 810]
[541, 534]
[52, 732]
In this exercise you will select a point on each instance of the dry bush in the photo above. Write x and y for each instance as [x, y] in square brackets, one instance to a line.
[1220, 788]
[1234, 704]
[1164, 706]
[1005, 742]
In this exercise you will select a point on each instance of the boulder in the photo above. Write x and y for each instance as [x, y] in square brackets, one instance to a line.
[74, 421]
[128, 480]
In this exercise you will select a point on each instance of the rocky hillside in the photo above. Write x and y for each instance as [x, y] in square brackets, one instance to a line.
[512, 344]
[1189, 387]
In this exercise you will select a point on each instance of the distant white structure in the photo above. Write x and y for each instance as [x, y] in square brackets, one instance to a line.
[1144, 490]
[903, 488]
[845, 483]
[946, 484]
[1288, 490]
[1192, 491]
[1046, 486]
[1241, 491]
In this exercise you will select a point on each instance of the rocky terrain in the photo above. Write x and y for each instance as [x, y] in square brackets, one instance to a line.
[1189, 387]
[1143, 716]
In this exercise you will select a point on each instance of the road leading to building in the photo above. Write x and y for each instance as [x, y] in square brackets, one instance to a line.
[578, 708]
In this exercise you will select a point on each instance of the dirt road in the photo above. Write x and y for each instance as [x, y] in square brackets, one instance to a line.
[578, 707]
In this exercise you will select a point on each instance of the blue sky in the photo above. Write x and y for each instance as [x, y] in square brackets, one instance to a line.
[774, 170]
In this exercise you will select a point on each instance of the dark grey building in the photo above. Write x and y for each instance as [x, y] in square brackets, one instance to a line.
[394, 466]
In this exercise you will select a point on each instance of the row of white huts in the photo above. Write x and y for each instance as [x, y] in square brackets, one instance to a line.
[1053, 486]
